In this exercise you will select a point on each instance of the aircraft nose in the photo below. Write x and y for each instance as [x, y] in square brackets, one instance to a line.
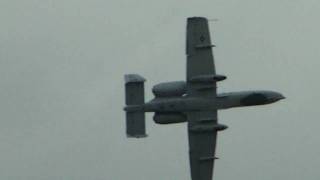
[281, 96]
[276, 96]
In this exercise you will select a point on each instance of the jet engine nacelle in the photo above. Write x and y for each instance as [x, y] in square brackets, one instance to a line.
[169, 118]
[169, 89]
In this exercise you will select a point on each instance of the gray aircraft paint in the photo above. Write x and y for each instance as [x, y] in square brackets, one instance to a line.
[62, 66]
[195, 101]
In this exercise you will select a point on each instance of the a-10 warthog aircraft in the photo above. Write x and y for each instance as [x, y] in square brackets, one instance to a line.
[194, 101]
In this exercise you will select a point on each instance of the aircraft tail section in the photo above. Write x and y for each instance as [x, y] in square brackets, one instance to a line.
[135, 116]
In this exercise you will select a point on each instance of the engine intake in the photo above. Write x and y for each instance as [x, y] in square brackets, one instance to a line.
[170, 89]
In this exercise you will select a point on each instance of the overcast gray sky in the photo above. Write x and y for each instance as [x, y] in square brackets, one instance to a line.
[61, 87]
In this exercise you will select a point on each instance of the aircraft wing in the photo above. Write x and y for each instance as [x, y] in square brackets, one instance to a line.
[202, 125]
[200, 62]
[202, 131]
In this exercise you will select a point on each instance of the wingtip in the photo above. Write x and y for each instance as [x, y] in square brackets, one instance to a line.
[137, 136]
[197, 18]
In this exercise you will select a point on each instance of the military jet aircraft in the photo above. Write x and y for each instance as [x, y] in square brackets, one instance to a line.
[194, 101]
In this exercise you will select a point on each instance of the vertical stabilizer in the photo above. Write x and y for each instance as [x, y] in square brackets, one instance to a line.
[135, 118]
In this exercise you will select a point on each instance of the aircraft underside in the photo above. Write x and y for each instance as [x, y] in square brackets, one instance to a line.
[194, 101]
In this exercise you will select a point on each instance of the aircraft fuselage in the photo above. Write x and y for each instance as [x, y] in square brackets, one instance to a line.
[222, 101]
